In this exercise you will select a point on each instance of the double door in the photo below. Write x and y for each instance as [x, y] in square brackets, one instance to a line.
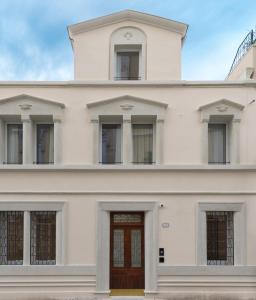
[127, 250]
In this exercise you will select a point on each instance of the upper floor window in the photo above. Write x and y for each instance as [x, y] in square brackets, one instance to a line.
[128, 64]
[221, 132]
[127, 130]
[44, 143]
[128, 54]
[142, 143]
[217, 143]
[30, 130]
[111, 143]
[14, 147]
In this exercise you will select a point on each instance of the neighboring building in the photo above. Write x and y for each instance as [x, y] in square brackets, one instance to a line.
[129, 180]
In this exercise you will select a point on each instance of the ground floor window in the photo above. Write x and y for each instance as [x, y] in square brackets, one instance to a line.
[11, 237]
[42, 241]
[220, 238]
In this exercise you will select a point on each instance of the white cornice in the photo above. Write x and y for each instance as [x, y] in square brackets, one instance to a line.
[128, 15]
[125, 168]
[126, 97]
[130, 83]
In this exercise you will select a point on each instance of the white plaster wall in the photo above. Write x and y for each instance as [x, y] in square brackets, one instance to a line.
[92, 53]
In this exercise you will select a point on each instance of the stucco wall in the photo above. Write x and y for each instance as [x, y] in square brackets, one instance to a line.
[92, 53]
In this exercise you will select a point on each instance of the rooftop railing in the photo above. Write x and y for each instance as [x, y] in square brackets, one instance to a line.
[244, 47]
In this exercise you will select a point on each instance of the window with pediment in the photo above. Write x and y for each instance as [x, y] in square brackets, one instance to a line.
[127, 130]
[221, 130]
[30, 130]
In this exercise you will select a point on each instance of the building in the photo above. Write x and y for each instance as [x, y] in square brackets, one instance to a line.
[128, 180]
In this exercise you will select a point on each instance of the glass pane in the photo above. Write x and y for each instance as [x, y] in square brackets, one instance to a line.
[118, 248]
[45, 143]
[220, 238]
[14, 143]
[136, 247]
[43, 238]
[111, 143]
[11, 241]
[128, 65]
[143, 143]
[127, 218]
[217, 143]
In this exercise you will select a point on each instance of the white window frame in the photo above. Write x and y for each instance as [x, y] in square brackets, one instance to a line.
[239, 231]
[27, 207]
[35, 141]
[6, 140]
[228, 139]
[100, 139]
[153, 123]
[128, 48]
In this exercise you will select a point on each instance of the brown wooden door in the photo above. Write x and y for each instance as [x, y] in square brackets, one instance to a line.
[127, 250]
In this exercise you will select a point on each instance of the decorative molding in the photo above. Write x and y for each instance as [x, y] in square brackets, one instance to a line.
[206, 271]
[127, 106]
[48, 270]
[128, 15]
[221, 105]
[128, 35]
[25, 106]
[126, 97]
[29, 97]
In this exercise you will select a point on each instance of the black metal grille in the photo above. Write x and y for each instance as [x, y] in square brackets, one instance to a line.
[243, 48]
[43, 238]
[220, 238]
[11, 237]
[128, 78]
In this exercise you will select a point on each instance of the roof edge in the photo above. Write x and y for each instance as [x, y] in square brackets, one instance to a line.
[128, 15]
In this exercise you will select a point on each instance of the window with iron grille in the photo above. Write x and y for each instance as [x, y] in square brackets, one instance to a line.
[11, 237]
[220, 237]
[43, 238]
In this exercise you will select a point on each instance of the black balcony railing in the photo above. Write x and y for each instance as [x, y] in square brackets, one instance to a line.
[128, 78]
[244, 47]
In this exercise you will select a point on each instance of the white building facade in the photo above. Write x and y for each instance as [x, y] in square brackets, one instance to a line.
[128, 180]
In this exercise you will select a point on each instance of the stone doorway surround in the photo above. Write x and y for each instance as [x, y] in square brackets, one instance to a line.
[103, 242]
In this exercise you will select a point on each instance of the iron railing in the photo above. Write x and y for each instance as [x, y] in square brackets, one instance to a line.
[244, 47]
[128, 78]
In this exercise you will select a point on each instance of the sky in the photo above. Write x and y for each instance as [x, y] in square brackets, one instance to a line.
[34, 43]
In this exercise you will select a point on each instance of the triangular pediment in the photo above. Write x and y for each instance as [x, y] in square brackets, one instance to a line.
[127, 104]
[30, 99]
[27, 104]
[129, 15]
[222, 105]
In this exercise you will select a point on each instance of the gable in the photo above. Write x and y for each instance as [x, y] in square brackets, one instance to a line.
[128, 15]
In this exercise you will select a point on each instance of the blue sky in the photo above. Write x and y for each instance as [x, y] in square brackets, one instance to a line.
[34, 44]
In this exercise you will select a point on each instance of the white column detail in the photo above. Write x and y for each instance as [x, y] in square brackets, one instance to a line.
[159, 147]
[27, 151]
[235, 142]
[95, 140]
[2, 141]
[127, 140]
[205, 123]
[57, 140]
[59, 235]
[26, 241]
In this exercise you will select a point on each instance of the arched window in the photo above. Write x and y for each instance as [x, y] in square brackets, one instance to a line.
[128, 54]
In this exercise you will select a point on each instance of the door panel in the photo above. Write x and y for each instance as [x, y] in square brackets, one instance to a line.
[127, 251]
